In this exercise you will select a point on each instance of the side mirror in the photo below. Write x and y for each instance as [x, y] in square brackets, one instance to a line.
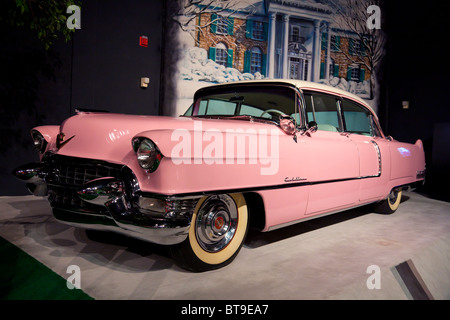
[287, 124]
[311, 128]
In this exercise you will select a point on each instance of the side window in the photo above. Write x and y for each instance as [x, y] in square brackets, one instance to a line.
[323, 109]
[357, 118]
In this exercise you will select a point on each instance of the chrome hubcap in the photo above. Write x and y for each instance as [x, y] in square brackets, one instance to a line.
[216, 223]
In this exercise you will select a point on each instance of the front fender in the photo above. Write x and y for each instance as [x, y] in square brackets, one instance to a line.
[205, 158]
[221, 145]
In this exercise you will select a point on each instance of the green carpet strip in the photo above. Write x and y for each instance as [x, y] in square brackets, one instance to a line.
[24, 278]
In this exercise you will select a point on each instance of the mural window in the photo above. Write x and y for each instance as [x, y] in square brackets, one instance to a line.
[256, 60]
[295, 34]
[222, 25]
[335, 43]
[299, 33]
[356, 47]
[221, 54]
[258, 30]
[354, 73]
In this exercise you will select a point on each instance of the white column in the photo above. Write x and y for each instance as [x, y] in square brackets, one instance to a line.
[271, 57]
[285, 46]
[315, 68]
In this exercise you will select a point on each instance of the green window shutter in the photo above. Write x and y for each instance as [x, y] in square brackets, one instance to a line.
[336, 70]
[230, 26]
[349, 73]
[322, 70]
[212, 53]
[266, 31]
[263, 64]
[362, 72]
[213, 23]
[247, 56]
[351, 45]
[338, 43]
[249, 28]
[230, 58]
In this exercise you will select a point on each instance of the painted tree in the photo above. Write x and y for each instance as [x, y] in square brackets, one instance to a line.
[360, 21]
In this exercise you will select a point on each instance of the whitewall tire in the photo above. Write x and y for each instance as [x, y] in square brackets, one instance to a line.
[391, 203]
[218, 229]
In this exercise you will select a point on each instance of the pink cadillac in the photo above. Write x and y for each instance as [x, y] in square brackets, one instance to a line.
[261, 154]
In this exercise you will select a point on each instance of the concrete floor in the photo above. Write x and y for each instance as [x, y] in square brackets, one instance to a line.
[324, 258]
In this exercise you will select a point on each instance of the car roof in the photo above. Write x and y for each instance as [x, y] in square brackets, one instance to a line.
[303, 85]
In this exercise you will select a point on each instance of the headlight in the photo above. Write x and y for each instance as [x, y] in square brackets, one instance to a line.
[147, 153]
[39, 141]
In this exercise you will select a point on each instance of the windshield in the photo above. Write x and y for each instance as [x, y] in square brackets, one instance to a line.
[258, 101]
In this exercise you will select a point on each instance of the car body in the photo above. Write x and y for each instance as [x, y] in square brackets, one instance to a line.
[264, 154]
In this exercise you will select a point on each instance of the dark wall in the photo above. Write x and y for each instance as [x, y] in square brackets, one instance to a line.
[416, 70]
[100, 68]
[108, 62]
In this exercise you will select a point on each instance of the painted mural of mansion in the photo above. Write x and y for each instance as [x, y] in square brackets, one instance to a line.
[293, 39]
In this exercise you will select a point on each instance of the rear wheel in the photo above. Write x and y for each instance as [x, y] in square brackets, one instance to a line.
[218, 229]
[391, 203]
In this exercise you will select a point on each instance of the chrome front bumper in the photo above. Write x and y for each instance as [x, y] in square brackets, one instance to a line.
[112, 203]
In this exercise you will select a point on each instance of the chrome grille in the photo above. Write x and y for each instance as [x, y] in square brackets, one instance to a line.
[69, 174]
[78, 175]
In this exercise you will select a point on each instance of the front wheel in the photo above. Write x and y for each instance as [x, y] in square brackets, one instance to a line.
[218, 229]
[391, 203]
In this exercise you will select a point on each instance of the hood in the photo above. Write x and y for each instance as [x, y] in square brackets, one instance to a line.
[108, 136]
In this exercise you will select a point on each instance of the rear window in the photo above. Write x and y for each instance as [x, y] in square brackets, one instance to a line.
[357, 118]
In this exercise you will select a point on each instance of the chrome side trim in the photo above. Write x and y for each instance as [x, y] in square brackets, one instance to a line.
[377, 149]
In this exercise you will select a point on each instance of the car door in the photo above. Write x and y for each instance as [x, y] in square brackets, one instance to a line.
[361, 128]
[333, 162]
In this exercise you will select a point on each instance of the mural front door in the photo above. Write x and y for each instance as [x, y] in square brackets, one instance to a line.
[298, 68]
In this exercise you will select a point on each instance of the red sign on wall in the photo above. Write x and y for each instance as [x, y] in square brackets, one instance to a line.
[143, 41]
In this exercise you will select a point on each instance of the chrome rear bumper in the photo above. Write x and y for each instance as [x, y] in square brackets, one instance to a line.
[112, 203]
